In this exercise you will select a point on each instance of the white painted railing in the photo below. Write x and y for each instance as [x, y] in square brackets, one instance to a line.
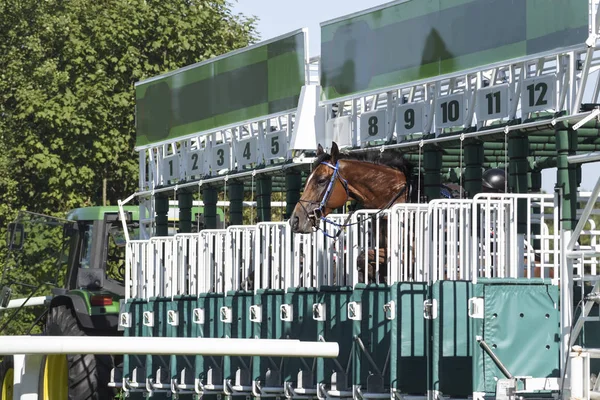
[446, 239]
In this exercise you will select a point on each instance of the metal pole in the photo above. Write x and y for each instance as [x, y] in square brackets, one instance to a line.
[166, 346]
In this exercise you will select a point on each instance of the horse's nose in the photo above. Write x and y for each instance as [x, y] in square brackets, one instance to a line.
[294, 223]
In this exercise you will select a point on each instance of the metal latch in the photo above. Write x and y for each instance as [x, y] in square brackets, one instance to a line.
[476, 307]
[256, 313]
[286, 312]
[390, 310]
[430, 309]
[199, 315]
[225, 315]
[354, 311]
[148, 318]
[318, 311]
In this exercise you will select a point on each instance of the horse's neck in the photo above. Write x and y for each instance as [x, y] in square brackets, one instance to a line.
[374, 185]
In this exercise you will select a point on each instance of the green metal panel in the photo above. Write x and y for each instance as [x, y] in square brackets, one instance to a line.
[268, 369]
[137, 329]
[521, 325]
[212, 327]
[409, 344]
[239, 328]
[301, 327]
[185, 328]
[451, 355]
[260, 80]
[338, 327]
[375, 334]
[161, 328]
[411, 40]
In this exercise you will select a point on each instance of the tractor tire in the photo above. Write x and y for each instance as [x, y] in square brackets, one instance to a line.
[73, 377]
[7, 374]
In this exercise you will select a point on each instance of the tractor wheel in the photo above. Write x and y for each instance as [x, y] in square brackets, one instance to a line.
[73, 377]
[7, 375]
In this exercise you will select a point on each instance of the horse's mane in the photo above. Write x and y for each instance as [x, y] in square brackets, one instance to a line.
[389, 158]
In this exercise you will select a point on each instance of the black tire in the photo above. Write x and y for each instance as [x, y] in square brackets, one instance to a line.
[88, 374]
[6, 376]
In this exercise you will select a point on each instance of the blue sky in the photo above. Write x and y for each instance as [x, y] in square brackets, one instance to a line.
[281, 16]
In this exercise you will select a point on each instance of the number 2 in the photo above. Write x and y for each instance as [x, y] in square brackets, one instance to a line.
[195, 160]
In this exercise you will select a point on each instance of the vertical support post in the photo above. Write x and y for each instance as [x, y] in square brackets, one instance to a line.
[566, 188]
[518, 168]
[473, 167]
[236, 203]
[293, 186]
[263, 198]
[535, 186]
[210, 197]
[185, 201]
[432, 164]
[161, 206]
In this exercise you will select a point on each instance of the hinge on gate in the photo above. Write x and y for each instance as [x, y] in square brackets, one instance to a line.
[476, 307]
[430, 309]
[354, 311]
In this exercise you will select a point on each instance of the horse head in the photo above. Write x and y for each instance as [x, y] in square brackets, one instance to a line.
[325, 190]
[374, 181]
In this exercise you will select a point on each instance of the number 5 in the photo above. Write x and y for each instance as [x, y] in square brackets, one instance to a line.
[275, 145]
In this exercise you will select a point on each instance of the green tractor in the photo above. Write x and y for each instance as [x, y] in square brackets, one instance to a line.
[79, 264]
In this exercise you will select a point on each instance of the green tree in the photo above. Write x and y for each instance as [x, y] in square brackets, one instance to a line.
[67, 74]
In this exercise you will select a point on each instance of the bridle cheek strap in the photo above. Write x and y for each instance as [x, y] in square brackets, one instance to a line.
[320, 211]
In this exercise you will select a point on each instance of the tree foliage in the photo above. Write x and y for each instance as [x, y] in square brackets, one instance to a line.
[67, 74]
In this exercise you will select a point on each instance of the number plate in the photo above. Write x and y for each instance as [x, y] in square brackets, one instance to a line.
[275, 145]
[373, 126]
[195, 163]
[339, 130]
[450, 111]
[170, 167]
[246, 152]
[492, 103]
[409, 118]
[538, 94]
[220, 157]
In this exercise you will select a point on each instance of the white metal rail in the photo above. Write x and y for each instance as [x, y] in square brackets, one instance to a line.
[446, 239]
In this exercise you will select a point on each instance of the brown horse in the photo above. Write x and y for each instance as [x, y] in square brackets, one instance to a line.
[376, 181]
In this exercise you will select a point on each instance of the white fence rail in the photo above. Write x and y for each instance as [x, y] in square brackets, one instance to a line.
[447, 239]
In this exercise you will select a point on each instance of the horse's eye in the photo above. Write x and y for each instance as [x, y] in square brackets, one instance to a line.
[323, 180]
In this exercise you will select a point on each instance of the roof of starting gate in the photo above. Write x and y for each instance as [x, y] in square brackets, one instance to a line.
[405, 75]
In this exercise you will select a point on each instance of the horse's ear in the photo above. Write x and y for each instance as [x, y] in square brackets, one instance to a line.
[320, 150]
[335, 152]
